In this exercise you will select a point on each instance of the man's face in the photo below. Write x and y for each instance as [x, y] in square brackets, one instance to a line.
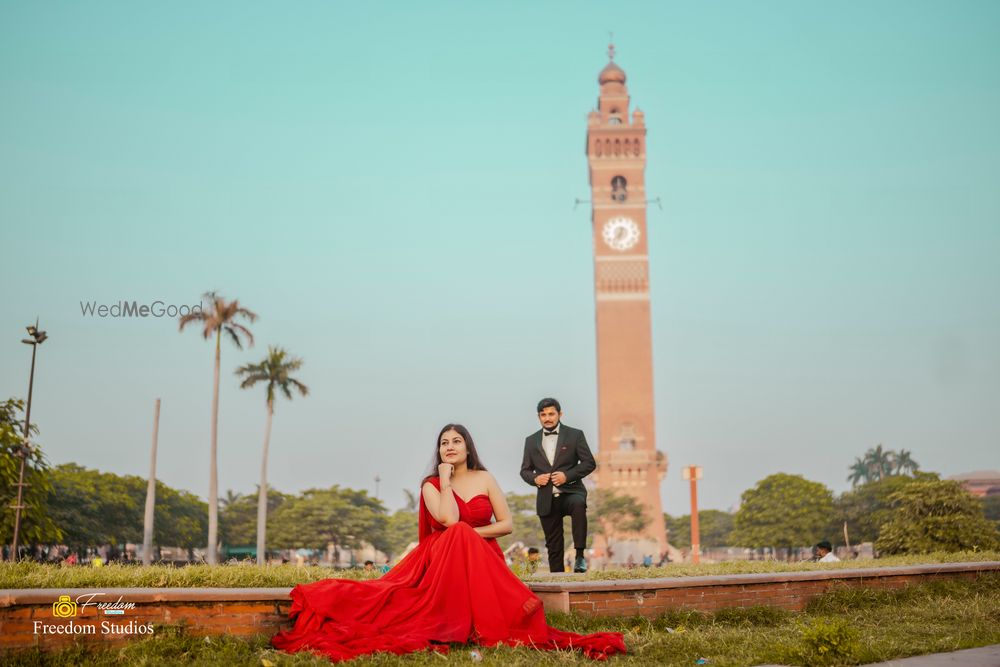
[549, 417]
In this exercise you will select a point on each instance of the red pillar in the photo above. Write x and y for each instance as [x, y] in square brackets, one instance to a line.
[693, 474]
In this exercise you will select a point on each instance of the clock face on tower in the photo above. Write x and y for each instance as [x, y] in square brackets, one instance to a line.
[620, 233]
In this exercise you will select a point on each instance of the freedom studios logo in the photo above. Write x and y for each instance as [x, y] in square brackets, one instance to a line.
[69, 610]
[133, 308]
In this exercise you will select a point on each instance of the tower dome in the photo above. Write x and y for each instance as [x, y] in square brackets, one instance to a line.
[611, 73]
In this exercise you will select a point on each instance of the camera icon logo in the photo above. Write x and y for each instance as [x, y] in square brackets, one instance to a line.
[64, 607]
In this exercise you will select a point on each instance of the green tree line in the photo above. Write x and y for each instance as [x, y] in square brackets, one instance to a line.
[903, 511]
[898, 513]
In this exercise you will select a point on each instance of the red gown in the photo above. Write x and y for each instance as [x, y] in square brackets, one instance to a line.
[454, 587]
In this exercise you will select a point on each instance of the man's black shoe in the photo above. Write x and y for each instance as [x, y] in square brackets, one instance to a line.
[580, 565]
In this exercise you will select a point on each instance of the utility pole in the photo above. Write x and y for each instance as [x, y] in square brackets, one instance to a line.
[37, 338]
[147, 530]
[693, 474]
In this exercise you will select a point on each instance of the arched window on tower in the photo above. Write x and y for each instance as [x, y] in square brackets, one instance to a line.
[619, 188]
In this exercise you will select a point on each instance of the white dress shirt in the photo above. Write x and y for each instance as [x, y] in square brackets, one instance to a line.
[549, 442]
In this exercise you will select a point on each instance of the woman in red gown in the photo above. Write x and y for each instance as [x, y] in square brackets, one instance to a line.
[455, 587]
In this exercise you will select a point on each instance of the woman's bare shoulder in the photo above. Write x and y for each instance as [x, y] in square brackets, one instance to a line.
[487, 479]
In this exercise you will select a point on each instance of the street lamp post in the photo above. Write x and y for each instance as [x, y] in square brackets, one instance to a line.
[37, 338]
[693, 473]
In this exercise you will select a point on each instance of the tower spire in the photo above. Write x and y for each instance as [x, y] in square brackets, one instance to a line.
[611, 46]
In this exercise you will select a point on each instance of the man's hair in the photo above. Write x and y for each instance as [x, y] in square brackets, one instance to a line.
[824, 545]
[548, 403]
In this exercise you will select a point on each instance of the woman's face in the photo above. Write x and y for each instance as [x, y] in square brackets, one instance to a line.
[452, 448]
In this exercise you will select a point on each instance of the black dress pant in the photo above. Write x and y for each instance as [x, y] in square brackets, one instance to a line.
[567, 504]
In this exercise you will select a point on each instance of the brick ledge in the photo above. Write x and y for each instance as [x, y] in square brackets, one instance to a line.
[759, 578]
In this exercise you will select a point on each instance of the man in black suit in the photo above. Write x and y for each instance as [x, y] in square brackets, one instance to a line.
[556, 459]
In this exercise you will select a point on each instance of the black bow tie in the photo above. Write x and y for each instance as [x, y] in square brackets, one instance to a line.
[556, 432]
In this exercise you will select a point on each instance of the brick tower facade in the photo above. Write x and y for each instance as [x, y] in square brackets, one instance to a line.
[628, 461]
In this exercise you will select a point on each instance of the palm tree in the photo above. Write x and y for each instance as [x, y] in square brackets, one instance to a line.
[219, 318]
[231, 498]
[859, 472]
[275, 370]
[879, 462]
[904, 463]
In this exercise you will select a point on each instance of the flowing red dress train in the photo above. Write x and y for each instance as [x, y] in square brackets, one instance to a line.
[454, 587]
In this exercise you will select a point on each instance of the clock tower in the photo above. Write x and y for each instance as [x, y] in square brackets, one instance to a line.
[627, 459]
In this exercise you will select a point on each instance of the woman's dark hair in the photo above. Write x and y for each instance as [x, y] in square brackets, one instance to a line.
[548, 403]
[472, 462]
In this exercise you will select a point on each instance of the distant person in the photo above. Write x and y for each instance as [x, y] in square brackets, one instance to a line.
[534, 558]
[556, 459]
[369, 566]
[598, 559]
[824, 553]
[454, 587]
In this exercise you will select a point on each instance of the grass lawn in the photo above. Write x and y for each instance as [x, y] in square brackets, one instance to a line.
[35, 575]
[845, 627]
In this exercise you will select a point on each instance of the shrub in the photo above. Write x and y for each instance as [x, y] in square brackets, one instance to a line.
[825, 642]
[936, 515]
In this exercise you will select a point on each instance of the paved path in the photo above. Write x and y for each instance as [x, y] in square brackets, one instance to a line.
[987, 656]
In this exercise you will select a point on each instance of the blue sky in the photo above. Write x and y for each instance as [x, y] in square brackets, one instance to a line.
[391, 187]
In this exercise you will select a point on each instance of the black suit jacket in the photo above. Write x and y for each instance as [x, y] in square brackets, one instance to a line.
[572, 457]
